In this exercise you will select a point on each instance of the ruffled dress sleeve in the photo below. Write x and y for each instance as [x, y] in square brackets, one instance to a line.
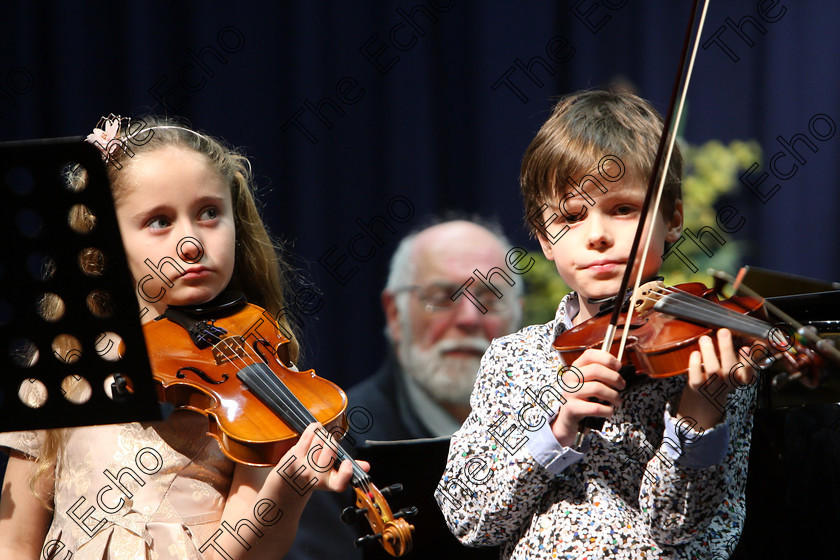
[29, 442]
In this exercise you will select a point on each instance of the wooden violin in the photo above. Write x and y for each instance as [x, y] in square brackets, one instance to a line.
[229, 361]
[668, 322]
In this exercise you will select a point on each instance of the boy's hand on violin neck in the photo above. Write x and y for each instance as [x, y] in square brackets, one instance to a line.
[702, 366]
[601, 382]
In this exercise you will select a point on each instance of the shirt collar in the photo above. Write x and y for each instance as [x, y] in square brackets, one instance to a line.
[566, 312]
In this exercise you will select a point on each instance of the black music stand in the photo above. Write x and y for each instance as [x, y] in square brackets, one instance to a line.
[40, 256]
[793, 495]
[771, 283]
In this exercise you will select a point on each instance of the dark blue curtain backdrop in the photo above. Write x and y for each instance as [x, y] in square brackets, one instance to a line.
[391, 111]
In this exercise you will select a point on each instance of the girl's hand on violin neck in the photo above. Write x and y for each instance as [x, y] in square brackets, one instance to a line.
[601, 382]
[279, 494]
[313, 455]
[702, 366]
[306, 467]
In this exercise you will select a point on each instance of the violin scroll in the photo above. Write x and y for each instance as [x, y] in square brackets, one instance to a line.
[807, 367]
[391, 529]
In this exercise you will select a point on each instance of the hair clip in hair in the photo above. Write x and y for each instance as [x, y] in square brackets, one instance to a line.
[106, 137]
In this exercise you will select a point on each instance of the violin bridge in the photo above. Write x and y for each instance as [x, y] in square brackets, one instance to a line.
[647, 295]
[230, 348]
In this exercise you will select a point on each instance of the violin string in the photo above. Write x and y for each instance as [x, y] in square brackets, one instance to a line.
[296, 416]
[687, 299]
[261, 377]
[714, 317]
[293, 410]
[698, 308]
[703, 309]
[284, 396]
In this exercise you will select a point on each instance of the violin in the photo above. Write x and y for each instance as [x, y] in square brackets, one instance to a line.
[229, 361]
[668, 322]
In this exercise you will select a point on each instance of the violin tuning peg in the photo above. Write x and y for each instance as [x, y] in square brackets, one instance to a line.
[406, 512]
[393, 489]
[366, 540]
[349, 515]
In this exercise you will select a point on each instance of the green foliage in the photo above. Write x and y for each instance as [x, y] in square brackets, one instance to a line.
[711, 171]
[543, 290]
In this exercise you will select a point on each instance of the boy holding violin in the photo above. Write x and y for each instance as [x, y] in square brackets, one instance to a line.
[665, 476]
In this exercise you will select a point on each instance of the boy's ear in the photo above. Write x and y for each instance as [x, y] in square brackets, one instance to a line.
[675, 224]
[546, 246]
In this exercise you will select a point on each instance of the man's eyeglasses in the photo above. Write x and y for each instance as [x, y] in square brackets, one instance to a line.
[437, 297]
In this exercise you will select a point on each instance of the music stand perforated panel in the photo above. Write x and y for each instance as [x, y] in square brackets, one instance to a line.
[41, 255]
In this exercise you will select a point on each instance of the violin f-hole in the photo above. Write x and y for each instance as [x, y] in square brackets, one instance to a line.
[281, 353]
[258, 344]
[201, 374]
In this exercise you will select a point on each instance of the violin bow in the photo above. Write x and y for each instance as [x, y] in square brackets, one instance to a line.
[669, 136]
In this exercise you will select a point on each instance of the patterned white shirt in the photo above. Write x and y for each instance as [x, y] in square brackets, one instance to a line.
[640, 488]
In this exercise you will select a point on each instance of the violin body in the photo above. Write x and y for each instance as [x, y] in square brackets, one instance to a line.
[658, 344]
[205, 380]
[228, 360]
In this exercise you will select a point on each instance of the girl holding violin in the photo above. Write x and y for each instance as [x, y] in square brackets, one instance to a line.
[165, 490]
[665, 476]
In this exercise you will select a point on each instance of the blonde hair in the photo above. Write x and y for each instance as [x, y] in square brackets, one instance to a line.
[260, 271]
[584, 128]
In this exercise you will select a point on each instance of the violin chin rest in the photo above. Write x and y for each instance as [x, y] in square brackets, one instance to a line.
[225, 304]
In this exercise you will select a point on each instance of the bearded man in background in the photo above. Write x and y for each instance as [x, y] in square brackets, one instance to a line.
[437, 343]
[423, 388]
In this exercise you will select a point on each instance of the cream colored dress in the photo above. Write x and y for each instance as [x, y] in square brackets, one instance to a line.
[134, 491]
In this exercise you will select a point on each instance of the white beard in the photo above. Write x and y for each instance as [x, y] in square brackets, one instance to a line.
[447, 379]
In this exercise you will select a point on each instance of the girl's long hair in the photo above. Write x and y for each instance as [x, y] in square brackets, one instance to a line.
[260, 271]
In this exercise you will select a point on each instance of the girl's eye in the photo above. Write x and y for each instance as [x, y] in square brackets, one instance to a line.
[210, 213]
[158, 222]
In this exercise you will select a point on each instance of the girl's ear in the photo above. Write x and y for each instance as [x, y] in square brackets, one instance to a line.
[675, 224]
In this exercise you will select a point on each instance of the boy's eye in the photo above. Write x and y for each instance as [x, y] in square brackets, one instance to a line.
[624, 210]
[572, 215]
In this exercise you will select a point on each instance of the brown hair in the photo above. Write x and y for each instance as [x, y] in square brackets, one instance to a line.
[583, 128]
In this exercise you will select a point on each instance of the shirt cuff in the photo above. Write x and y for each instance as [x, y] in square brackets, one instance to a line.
[548, 452]
[690, 448]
